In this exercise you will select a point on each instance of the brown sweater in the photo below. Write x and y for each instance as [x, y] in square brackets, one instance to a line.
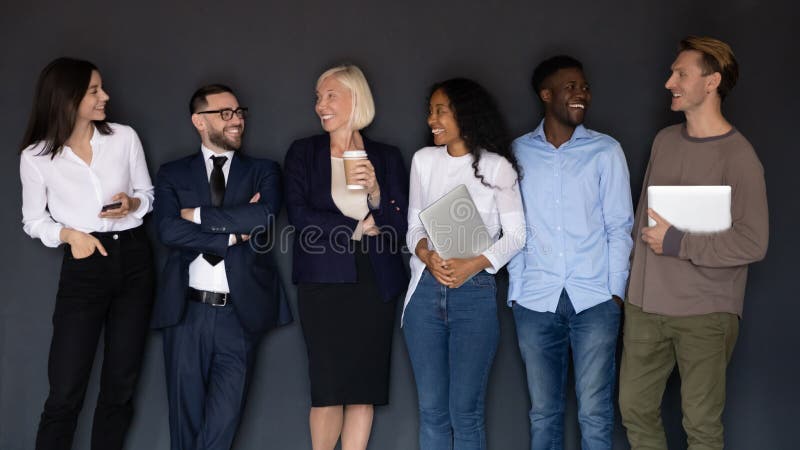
[701, 273]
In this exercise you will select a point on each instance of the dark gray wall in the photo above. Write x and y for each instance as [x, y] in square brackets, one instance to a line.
[154, 54]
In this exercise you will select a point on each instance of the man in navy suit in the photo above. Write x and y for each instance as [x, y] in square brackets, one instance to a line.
[220, 289]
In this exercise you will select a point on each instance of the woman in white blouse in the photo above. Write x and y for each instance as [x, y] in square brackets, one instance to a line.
[450, 317]
[85, 184]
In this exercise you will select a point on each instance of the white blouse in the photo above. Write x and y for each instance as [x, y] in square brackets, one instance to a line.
[66, 192]
[434, 173]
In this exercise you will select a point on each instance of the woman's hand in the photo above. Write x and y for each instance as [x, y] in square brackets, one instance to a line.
[368, 226]
[81, 244]
[128, 204]
[363, 173]
[464, 268]
[434, 262]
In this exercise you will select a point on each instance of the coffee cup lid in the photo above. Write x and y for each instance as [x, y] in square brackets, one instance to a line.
[355, 154]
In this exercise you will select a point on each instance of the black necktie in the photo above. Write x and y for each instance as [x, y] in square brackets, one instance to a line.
[217, 182]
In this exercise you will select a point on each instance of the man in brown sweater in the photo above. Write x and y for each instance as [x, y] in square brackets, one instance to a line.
[686, 289]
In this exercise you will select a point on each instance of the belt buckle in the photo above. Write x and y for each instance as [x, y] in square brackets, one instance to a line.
[224, 301]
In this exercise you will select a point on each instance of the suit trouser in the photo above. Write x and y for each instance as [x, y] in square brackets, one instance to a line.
[115, 291]
[702, 346]
[208, 358]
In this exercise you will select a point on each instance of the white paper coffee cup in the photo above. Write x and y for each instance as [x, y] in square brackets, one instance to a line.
[351, 160]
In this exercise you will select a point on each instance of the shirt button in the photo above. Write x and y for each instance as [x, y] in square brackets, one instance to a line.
[115, 236]
[560, 254]
[558, 201]
[558, 228]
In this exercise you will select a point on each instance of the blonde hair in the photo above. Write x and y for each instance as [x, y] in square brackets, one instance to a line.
[716, 56]
[353, 78]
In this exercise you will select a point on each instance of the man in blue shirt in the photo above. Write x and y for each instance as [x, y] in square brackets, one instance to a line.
[566, 285]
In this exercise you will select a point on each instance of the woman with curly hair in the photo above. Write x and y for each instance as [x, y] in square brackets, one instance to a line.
[450, 316]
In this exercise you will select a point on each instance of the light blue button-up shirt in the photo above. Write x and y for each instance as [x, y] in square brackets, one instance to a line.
[578, 208]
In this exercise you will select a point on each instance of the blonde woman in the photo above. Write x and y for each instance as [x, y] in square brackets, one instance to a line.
[347, 261]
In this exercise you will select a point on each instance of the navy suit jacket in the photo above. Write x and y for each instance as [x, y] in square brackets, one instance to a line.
[256, 290]
[323, 233]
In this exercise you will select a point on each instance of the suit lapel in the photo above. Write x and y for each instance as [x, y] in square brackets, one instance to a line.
[322, 163]
[235, 178]
[372, 156]
[197, 168]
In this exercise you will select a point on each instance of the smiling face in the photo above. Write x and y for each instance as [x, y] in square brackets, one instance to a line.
[690, 89]
[217, 134]
[566, 96]
[93, 105]
[334, 105]
[442, 121]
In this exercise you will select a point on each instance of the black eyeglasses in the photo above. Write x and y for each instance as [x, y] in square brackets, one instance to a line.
[227, 113]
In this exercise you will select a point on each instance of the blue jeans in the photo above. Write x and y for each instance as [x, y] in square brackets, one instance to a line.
[544, 341]
[452, 337]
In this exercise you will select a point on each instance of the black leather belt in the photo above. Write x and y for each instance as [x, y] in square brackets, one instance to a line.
[207, 297]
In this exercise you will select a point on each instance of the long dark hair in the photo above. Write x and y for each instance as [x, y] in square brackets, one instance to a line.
[479, 120]
[59, 91]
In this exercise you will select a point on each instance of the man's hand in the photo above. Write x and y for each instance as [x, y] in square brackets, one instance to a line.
[81, 244]
[188, 214]
[128, 204]
[654, 236]
[254, 199]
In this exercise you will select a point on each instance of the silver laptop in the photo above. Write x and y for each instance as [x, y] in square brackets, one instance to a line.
[699, 209]
[454, 226]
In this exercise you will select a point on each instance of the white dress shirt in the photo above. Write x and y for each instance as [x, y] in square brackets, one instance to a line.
[434, 173]
[202, 275]
[64, 191]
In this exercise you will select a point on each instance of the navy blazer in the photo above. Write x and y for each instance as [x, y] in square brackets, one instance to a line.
[256, 290]
[322, 232]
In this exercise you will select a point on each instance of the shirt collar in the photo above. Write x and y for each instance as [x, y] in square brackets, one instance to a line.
[580, 133]
[96, 135]
[96, 138]
[208, 153]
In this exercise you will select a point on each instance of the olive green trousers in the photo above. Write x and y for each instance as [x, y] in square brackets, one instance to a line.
[652, 344]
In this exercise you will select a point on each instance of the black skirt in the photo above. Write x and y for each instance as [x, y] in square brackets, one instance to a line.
[348, 332]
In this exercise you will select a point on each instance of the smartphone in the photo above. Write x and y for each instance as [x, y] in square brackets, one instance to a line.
[114, 205]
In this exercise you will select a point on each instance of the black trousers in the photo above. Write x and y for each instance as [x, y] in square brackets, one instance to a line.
[115, 291]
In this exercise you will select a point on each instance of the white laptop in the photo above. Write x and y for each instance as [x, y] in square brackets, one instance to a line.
[697, 209]
[454, 226]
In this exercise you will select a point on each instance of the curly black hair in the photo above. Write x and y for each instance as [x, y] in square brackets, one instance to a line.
[479, 120]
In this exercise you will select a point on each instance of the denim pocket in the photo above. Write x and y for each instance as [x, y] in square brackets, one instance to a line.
[482, 280]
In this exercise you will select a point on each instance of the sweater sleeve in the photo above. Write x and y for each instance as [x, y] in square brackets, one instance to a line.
[746, 240]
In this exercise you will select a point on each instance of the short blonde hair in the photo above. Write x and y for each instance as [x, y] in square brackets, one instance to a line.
[716, 56]
[353, 78]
